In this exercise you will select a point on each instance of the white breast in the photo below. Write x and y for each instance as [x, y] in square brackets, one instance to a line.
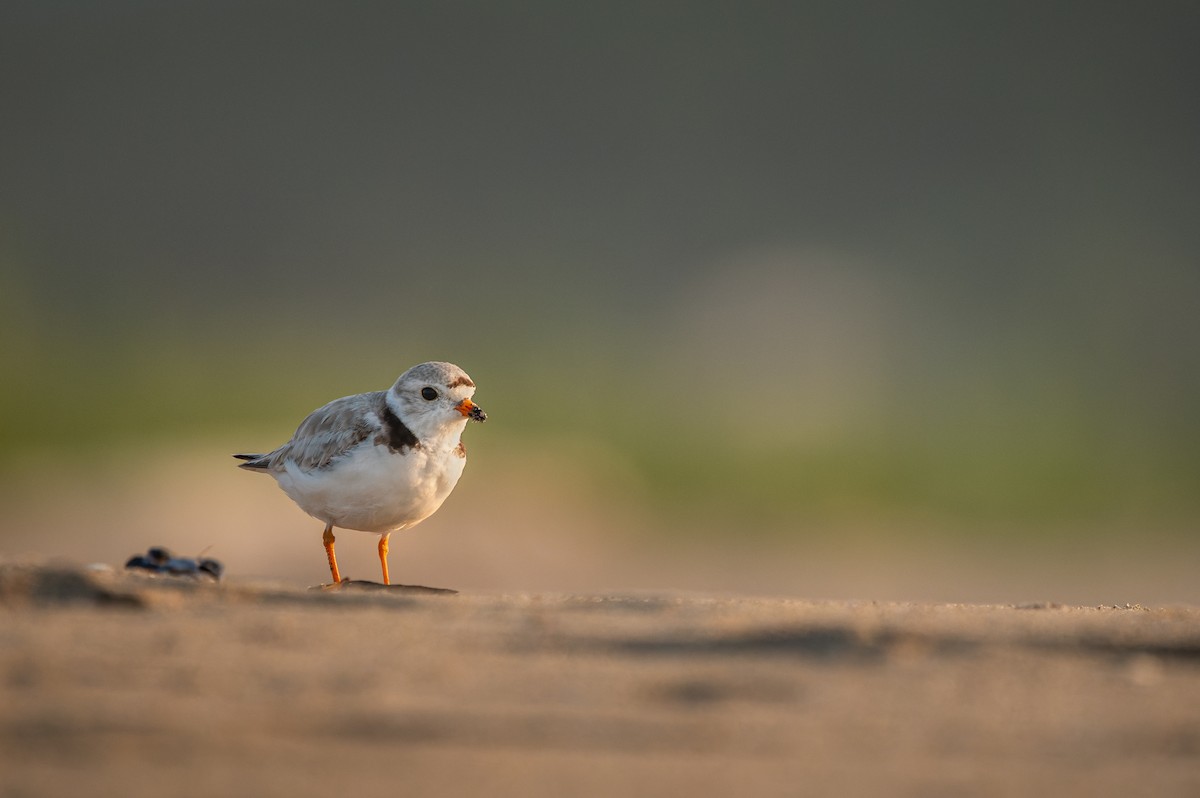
[374, 490]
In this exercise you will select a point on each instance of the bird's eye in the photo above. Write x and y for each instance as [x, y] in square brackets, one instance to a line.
[428, 394]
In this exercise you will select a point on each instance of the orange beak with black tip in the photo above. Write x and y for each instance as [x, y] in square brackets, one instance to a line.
[471, 411]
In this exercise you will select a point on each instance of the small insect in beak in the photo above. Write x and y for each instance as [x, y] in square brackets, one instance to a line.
[471, 410]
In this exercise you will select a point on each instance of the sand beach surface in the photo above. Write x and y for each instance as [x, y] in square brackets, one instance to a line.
[118, 683]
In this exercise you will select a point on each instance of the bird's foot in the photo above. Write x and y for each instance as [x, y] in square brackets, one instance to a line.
[365, 586]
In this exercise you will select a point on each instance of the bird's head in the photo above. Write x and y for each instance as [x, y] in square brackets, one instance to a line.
[434, 399]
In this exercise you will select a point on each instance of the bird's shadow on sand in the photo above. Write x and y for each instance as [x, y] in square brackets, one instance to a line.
[365, 586]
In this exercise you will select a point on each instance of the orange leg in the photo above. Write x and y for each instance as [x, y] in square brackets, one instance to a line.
[328, 539]
[383, 550]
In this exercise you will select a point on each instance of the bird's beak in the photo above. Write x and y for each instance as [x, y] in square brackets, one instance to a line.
[471, 410]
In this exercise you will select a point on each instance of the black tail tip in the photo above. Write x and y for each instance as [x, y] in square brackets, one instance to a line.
[253, 461]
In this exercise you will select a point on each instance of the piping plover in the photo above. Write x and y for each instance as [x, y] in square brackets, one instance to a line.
[378, 462]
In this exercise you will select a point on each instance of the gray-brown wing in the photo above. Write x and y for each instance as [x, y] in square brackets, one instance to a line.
[328, 433]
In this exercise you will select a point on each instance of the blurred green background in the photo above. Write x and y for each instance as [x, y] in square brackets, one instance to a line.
[804, 265]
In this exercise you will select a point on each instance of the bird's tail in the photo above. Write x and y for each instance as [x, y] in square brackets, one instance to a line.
[254, 462]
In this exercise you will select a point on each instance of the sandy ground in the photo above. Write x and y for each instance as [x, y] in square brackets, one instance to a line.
[591, 651]
[121, 684]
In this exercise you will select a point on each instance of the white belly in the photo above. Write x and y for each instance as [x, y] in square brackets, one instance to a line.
[374, 490]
